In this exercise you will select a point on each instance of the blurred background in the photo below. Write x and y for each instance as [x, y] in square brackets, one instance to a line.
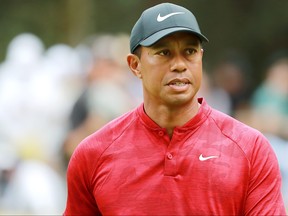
[63, 75]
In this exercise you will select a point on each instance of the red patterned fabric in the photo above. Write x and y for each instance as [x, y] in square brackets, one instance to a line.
[213, 165]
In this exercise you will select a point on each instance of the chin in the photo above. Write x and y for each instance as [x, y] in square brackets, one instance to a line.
[179, 101]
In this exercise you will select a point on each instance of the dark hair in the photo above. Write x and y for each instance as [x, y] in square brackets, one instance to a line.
[137, 52]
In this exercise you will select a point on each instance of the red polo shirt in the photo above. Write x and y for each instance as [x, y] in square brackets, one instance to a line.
[213, 165]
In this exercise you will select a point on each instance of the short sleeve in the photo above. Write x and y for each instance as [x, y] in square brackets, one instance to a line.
[264, 194]
[80, 199]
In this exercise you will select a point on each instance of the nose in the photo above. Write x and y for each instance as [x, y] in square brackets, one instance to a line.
[178, 64]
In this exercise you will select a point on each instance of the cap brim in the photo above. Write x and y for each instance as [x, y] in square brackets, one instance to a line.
[158, 35]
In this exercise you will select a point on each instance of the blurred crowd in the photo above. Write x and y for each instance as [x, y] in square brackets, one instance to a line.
[52, 98]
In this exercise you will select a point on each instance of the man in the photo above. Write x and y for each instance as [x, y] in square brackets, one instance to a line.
[174, 154]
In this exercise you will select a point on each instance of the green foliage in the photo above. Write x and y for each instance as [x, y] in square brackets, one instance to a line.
[256, 28]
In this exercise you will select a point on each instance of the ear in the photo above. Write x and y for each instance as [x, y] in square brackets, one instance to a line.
[202, 51]
[134, 65]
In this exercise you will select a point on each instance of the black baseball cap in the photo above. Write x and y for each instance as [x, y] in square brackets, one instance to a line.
[161, 20]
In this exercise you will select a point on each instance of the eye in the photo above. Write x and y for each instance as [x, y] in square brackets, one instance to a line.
[190, 51]
[163, 52]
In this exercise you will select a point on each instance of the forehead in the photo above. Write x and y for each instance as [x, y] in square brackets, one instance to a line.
[182, 37]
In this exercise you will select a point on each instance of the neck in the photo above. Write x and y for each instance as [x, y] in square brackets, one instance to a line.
[170, 117]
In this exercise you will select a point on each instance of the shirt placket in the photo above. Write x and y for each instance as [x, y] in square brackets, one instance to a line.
[171, 157]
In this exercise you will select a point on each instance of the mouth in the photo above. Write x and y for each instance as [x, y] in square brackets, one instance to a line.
[178, 82]
[179, 85]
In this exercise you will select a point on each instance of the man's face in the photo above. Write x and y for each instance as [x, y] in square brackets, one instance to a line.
[171, 70]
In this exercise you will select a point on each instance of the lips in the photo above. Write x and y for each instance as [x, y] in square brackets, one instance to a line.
[179, 82]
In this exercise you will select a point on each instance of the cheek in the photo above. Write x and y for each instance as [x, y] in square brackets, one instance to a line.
[196, 70]
[152, 71]
[152, 78]
[199, 81]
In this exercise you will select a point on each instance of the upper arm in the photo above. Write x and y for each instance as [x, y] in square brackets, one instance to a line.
[264, 193]
[80, 199]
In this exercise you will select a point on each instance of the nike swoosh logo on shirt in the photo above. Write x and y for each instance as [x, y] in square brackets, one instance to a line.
[202, 158]
[162, 18]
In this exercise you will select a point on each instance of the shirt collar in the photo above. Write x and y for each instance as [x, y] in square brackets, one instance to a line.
[197, 120]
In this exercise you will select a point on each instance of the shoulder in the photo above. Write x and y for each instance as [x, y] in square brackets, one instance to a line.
[100, 140]
[89, 151]
[247, 138]
[254, 146]
[231, 126]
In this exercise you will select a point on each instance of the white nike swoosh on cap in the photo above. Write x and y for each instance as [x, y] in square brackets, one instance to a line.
[162, 18]
[202, 158]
